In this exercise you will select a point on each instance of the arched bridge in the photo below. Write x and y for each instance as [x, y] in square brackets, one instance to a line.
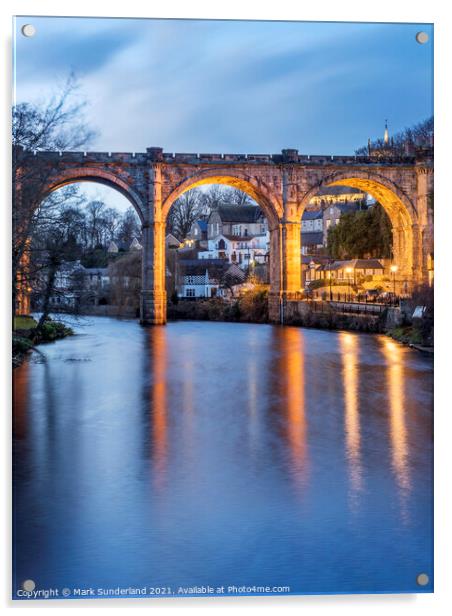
[282, 184]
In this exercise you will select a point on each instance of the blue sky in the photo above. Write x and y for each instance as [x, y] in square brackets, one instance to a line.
[231, 86]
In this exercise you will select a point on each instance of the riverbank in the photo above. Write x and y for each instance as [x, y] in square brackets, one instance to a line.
[412, 336]
[319, 315]
[252, 310]
[251, 307]
[26, 336]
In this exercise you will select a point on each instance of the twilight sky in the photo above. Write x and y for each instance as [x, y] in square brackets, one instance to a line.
[231, 86]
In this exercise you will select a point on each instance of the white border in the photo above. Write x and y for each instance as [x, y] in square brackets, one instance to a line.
[328, 10]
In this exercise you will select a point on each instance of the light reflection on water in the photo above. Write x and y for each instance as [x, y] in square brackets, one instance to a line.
[223, 453]
[349, 346]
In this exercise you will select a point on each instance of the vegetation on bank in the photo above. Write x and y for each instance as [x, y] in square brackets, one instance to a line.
[27, 334]
[407, 334]
[250, 307]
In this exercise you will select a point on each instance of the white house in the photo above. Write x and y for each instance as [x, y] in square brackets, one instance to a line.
[242, 250]
[200, 279]
[240, 220]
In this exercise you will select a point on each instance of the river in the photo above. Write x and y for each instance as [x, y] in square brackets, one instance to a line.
[223, 454]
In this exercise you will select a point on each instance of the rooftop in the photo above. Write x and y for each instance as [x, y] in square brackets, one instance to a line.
[311, 237]
[202, 224]
[239, 213]
[312, 214]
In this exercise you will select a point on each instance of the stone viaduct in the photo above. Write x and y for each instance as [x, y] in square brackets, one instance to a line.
[282, 184]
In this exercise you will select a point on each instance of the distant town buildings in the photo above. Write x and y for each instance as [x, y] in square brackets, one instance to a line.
[207, 278]
[347, 271]
[117, 247]
[330, 204]
[217, 256]
[237, 234]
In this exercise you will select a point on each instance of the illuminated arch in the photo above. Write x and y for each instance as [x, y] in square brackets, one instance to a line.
[399, 208]
[256, 189]
[396, 204]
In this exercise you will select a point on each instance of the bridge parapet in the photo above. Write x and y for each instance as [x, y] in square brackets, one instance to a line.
[292, 157]
[87, 157]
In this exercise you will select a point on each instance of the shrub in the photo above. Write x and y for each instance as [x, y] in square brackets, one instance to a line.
[21, 345]
[253, 305]
[52, 330]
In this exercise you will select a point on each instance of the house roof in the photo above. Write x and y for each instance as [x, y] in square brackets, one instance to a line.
[312, 215]
[192, 262]
[197, 267]
[366, 264]
[235, 272]
[317, 259]
[202, 224]
[355, 264]
[239, 213]
[172, 238]
[311, 238]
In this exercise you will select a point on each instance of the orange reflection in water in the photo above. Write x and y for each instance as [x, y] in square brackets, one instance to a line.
[158, 393]
[349, 345]
[295, 384]
[393, 353]
[20, 398]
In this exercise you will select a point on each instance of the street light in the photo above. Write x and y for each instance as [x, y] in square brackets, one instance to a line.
[330, 263]
[349, 271]
[394, 269]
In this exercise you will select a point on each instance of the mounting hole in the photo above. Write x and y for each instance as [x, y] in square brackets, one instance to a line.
[422, 38]
[29, 585]
[422, 579]
[28, 30]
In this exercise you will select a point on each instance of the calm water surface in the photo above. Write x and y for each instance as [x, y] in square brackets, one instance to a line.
[223, 454]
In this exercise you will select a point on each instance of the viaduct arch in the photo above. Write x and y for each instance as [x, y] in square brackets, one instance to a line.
[282, 184]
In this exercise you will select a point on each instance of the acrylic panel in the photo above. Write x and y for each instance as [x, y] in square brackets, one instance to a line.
[223, 308]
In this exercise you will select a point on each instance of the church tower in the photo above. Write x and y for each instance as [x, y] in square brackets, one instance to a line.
[386, 137]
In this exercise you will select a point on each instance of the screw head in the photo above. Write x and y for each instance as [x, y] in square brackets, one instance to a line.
[422, 579]
[28, 30]
[422, 38]
[29, 585]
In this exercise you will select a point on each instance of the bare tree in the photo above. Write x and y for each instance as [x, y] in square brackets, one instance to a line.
[95, 214]
[234, 196]
[55, 241]
[184, 212]
[112, 221]
[57, 125]
[217, 195]
[125, 277]
[212, 197]
[129, 227]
